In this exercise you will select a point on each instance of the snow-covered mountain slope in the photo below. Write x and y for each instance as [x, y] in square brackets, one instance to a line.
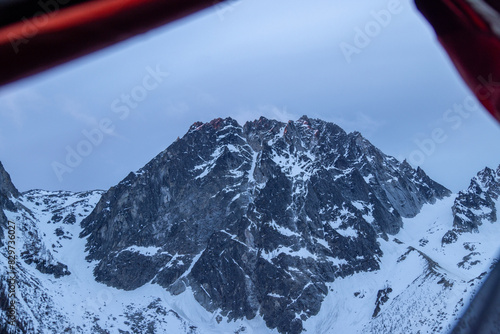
[426, 285]
[47, 229]
[285, 228]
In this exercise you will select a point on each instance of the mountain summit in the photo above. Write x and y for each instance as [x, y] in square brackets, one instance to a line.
[268, 227]
[475, 205]
[255, 219]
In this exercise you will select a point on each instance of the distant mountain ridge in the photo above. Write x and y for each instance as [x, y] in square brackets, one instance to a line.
[475, 204]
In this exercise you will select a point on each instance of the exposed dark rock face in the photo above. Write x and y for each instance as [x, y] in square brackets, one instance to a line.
[7, 190]
[475, 205]
[255, 219]
[58, 270]
[3, 226]
[382, 298]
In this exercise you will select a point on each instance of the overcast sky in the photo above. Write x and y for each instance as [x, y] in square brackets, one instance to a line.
[372, 66]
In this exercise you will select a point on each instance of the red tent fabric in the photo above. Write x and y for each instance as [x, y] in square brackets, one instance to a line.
[469, 31]
[49, 34]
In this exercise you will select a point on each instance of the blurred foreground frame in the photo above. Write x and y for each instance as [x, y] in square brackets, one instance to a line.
[469, 31]
[36, 35]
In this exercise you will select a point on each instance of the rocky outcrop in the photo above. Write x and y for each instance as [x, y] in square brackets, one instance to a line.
[7, 191]
[255, 219]
[476, 205]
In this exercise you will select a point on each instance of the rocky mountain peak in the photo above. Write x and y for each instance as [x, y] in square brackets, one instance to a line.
[215, 124]
[476, 205]
[488, 179]
[7, 189]
[255, 219]
[294, 226]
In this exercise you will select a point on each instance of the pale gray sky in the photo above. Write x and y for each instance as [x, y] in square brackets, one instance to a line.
[372, 66]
